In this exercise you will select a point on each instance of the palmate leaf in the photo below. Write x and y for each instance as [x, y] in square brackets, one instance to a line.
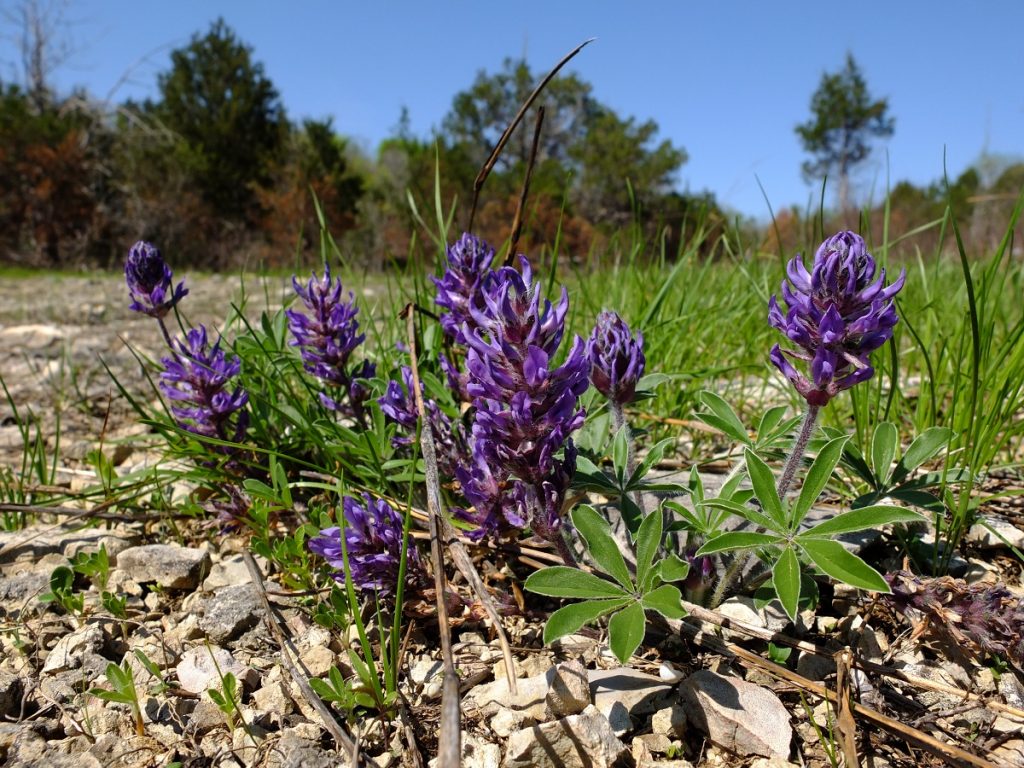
[883, 450]
[861, 519]
[570, 618]
[737, 540]
[763, 480]
[648, 539]
[835, 561]
[722, 417]
[666, 600]
[672, 568]
[786, 579]
[600, 544]
[626, 631]
[817, 477]
[653, 457]
[563, 581]
[745, 511]
[924, 447]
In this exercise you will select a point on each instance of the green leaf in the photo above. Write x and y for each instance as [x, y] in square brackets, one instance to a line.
[763, 480]
[769, 421]
[666, 600]
[590, 477]
[722, 417]
[883, 450]
[786, 578]
[653, 457]
[745, 511]
[602, 546]
[620, 454]
[817, 478]
[570, 618]
[626, 631]
[861, 519]
[672, 568]
[648, 540]
[737, 540]
[924, 447]
[563, 581]
[833, 559]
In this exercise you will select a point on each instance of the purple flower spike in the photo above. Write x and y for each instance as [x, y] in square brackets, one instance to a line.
[459, 290]
[838, 313]
[399, 405]
[373, 541]
[149, 281]
[616, 358]
[197, 381]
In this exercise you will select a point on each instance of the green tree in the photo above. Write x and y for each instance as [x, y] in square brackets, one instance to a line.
[844, 120]
[228, 115]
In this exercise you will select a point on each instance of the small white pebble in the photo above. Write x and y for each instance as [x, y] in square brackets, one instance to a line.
[669, 673]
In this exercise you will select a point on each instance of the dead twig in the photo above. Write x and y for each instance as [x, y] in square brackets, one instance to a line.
[342, 739]
[949, 752]
[488, 165]
[517, 220]
[449, 747]
[846, 725]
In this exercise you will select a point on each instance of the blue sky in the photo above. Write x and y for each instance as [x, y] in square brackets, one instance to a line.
[727, 81]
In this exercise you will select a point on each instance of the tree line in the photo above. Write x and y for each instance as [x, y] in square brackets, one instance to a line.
[214, 170]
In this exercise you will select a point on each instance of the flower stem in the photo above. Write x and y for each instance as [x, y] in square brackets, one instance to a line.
[740, 564]
[799, 448]
[619, 423]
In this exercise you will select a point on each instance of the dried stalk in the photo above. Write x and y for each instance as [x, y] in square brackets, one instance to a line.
[342, 739]
[488, 165]
[517, 220]
[846, 725]
[449, 747]
[460, 556]
[952, 754]
[711, 617]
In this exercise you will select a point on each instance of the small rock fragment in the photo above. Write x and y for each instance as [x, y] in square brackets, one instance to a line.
[197, 671]
[670, 721]
[623, 694]
[169, 565]
[737, 715]
[70, 650]
[569, 692]
[585, 740]
[230, 612]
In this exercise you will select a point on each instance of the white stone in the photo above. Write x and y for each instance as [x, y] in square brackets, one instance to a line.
[197, 671]
[739, 716]
[585, 740]
[569, 691]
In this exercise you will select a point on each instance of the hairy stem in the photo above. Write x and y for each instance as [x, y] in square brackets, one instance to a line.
[799, 448]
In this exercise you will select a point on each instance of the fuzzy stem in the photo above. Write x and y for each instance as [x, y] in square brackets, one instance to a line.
[167, 336]
[799, 448]
[619, 423]
[739, 564]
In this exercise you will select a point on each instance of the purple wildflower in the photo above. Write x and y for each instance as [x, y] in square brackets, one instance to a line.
[149, 281]
[197, 379]
[495, 510]
[399, 406]
[837, 314]
[525, 408]
[616, 358]
[328, 336]
[459, 290]
[373, 541]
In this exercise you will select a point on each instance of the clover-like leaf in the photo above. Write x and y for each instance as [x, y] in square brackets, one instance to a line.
[563, 581]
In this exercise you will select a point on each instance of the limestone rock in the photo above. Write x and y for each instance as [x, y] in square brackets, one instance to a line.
[197, 671]
[670, 721]
[623, 694]
[569, 691]
[585, 740]
[231, 611]
[737, 715]
[983, 538]
[169, 565]
[529, 699]
[70, 650]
